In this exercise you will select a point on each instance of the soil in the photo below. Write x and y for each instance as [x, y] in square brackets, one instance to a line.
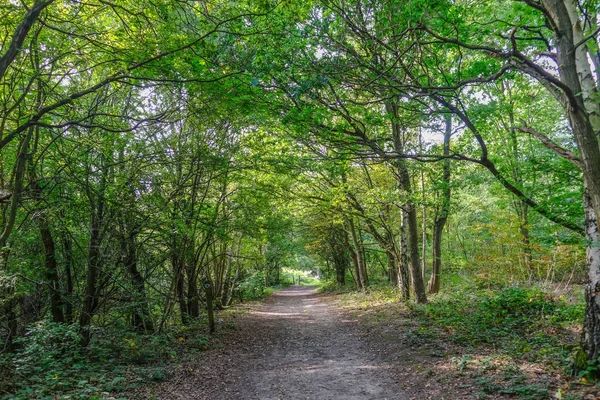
[296, 345]
[299, 344]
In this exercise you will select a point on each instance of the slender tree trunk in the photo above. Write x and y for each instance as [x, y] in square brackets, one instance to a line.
[15, 200]
[363, 257]
[413, 237]
[403, 274]
[179, 286]
[340, 272]
[392, 267]
[141, 320]
[225, 280]
[442, 217]
[51, 270]
[91, 291]
[424, 222]
[51, 273]
[193, 302]
[354, 257]
[68, 297]
[228, 293]
[339, 253]
[415, 265]
[410, 211]
[357, 256]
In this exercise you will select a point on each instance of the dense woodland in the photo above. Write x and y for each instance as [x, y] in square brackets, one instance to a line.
[151, 149]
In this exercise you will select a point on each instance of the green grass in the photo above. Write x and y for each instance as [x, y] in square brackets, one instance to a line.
[306, 278]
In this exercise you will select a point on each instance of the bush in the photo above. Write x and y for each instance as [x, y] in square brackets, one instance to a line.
[523, 321]
[50, 363]
[253, 287]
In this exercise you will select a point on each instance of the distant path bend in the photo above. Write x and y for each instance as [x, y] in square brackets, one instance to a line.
[294, 346]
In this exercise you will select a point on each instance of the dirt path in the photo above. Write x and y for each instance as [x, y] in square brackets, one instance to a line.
[295, 346]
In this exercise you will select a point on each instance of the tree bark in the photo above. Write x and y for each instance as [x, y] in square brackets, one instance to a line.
[357, 256]
[392, 267]
[50, 263]
[179, 280]
[20, 34]
[90, 302]
[354, 257]
[68, 297]
[424, 221]
[403, 274]
[410, 211]
[442, 216]
[141, 319]
[591, 326]
[193, 303]
[583, 110]
[15, 200]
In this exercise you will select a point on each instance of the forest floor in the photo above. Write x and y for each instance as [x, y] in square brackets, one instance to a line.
[300, 344]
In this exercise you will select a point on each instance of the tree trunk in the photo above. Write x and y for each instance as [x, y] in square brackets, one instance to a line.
[357, 256]
[68, 297]
[15, 200]
[410, 211]
[141, 320]
[403, 275]
[413, 237]
[193, 302]
[591, 327]
[51, 269]
[415, 265]
[91, 291]
[442, 217]
[354, 257]
[179, 288]
[363, 257]
[229, 287]
[51, 272]
[434, 282]
[392, 267]
[424, 221]
[224, 281]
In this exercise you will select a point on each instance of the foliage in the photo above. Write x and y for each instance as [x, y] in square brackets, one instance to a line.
[525, 322]
[50, 361]
[150, 150]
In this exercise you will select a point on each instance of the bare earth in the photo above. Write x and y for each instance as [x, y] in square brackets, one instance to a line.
[296, 345]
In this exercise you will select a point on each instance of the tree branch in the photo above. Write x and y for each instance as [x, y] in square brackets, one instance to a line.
[550, 145]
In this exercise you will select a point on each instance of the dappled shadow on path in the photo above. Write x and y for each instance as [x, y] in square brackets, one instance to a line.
[294, 346]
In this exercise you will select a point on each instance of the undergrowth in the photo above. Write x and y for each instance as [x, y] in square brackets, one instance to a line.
[509, 326]
[523, 322]
[49, 362]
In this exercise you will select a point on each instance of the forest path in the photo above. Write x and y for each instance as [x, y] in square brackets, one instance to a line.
[296, 345]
